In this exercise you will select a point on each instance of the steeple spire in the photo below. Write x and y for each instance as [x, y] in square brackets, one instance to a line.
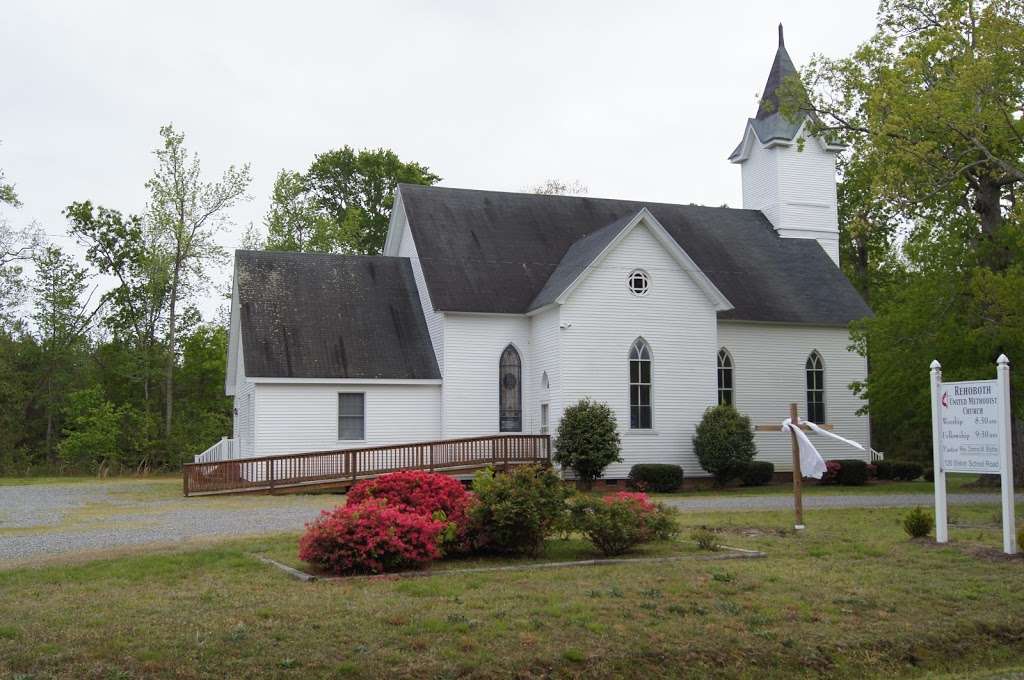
[782, 68]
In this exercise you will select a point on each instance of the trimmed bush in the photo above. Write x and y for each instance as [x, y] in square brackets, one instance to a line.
[724, 443]
[884, 469]
[918, 523]
[516, 511]
[899, 470]
[657, 477]
[758, 473]
[907, 472]
[370, 537]
[615, 524]
[847, 472]
[430, 494]
[588, 440]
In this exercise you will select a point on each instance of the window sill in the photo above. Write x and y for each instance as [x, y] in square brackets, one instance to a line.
[642, 433]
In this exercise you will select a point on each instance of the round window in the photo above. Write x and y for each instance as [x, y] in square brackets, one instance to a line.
[638, 282]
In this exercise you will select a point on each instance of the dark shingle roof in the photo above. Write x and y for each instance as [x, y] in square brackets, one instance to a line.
[489, 251]
[576, 259]
[331, 316]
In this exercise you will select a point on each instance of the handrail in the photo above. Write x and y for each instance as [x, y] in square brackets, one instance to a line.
[345, 466]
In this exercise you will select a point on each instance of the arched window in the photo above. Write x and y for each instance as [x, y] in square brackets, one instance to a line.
[640, 416]
[510, 391]
[544, 382]
[815, 369]
[724, 377]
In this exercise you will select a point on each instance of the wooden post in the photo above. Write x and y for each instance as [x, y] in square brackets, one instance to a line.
[941, 521]
[798, 496]
[430, 452]
[270, 473]
[184, 480]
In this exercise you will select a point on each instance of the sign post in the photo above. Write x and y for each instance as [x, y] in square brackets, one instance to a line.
[971, 433]
[1006, 454]
[941, 524]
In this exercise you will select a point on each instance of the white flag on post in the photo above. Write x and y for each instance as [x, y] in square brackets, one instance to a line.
[811, 462]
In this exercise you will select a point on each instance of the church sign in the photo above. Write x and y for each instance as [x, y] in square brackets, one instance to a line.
[971, 433]
[969, 415]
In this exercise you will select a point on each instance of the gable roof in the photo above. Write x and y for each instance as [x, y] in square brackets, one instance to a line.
[495, 252]
[305, 315]
[589, 250]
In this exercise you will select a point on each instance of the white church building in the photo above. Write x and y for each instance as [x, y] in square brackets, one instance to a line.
[491, 312]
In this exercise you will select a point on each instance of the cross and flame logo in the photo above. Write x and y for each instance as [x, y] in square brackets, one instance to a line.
[945, 400]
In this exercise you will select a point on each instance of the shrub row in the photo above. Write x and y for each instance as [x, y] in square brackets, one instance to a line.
[846, 472]
[898, 470]
[405, 520]
[657, 477]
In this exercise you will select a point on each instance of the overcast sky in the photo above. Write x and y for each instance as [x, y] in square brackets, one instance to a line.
[639, 100]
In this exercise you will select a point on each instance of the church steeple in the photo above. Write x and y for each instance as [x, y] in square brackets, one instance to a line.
[793, 184]
[782, 68]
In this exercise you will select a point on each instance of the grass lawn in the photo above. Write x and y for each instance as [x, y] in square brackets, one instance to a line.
[849, 597]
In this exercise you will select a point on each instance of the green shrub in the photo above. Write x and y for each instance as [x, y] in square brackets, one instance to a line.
[929, 475]
[907, 472]
[705, 539]
[657, 477]
[918, 523]
[852, 472]
[516, 511]
[724, 443]
[588, 440]
[615, 524]
[758, 473]
[899, 470]
[884, 469]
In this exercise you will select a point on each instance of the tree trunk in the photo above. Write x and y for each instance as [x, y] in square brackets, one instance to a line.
[987, 201]
[171, 328]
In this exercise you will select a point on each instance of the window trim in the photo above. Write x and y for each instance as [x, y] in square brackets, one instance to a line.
[362, 393]
[640, 342]
[519, 386]
[647, 282]
[732, 375]
[807, 390]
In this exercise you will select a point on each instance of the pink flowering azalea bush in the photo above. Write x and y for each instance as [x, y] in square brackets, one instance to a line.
[430, 494]
[617, 523]
[370, 538]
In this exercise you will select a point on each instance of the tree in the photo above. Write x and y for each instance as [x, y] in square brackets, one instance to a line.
[185, 212]
[16, 246]
[931, 109]
[558, 187]
[92, 432]
[62, 318]
[724, 443]
[342, 203]
[588, 440]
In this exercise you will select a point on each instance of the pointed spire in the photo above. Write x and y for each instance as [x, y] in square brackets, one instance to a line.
[782, 68]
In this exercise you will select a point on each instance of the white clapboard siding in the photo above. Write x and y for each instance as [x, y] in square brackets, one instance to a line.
[679, 324]
[796, 189]
[434, 319]
[545, 350]
[769, 374]
[304, 417]
[473, 345]
[245, 408]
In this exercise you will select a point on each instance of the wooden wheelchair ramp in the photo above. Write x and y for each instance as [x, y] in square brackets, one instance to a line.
[298, 472]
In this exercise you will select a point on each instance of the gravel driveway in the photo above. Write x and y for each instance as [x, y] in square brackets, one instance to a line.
[39, 521]
[45, 520]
